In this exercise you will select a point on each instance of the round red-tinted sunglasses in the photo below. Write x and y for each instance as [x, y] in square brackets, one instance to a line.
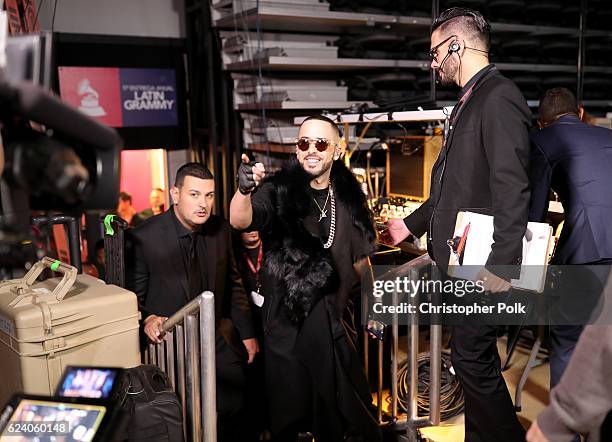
[321, 144]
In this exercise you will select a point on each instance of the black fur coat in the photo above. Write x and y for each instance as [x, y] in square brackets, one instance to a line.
[295, 256]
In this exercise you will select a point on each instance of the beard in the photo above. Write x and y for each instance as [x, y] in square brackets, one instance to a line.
[447, 72]
[325, 166]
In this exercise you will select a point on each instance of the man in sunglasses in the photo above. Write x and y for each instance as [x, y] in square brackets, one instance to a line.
[482, 167]
[317, 234]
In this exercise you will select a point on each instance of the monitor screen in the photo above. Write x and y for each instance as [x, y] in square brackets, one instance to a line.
[88, 382]
[47, 420]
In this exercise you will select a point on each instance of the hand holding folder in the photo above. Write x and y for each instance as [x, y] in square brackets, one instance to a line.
[471, 246]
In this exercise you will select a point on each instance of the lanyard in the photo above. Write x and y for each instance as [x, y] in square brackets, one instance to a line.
[255, 270]
[448, 126]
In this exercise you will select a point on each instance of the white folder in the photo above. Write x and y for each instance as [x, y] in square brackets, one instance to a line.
[538, 244]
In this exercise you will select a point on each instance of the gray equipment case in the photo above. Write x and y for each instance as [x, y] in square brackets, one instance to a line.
[76, 320]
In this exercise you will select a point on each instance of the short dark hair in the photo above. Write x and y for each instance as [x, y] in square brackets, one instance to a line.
[159, 189]
[325, 119]
[469, 21]
[555, 102]
[124, 196]
[196, 170]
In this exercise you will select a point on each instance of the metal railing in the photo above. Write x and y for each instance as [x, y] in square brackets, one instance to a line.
[413, 421]
[187, 356]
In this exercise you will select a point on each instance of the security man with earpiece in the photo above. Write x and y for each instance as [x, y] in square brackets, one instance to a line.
[482, 167]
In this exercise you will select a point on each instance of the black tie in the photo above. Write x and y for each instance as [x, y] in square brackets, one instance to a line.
[195, 275]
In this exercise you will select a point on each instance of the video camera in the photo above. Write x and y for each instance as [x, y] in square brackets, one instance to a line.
[52, 157]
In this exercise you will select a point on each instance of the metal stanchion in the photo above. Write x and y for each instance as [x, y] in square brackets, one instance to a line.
[180, 368]
[192, 377]
[379, 394]
[207, 350]
[413, 421]
[192, 368]
[408, 428]
[435, 364]
[161, 355]
[531, 363]
[170, 359]
[413, 369]
[151, 354]
[394, 356]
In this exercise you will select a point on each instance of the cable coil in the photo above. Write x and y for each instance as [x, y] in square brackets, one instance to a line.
[451, 394]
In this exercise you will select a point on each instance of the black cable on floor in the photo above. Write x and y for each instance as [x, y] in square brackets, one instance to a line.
[451, 394]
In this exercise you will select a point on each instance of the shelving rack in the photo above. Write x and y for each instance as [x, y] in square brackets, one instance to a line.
[264, 39]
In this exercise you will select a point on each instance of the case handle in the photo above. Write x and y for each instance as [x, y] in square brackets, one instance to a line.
[22, 288]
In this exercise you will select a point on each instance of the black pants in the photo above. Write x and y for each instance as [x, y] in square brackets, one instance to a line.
[231, 385]
[489, 411]
[256, 419]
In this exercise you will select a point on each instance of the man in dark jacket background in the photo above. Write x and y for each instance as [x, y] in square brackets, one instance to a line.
[575, 160]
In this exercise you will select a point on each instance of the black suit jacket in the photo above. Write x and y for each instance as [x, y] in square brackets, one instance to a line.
[484, 169]
[575, 159]
[157, 275]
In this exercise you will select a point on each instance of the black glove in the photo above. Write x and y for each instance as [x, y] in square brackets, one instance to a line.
[246, 183]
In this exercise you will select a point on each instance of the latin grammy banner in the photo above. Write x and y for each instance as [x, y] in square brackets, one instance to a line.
[122, 97]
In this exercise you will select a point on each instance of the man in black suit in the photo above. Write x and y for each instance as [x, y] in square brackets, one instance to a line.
[483, 168]
[181, 253]
[575, 160]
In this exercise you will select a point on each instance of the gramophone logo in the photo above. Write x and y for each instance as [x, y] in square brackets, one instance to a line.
[90, 100]
[93, 91]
